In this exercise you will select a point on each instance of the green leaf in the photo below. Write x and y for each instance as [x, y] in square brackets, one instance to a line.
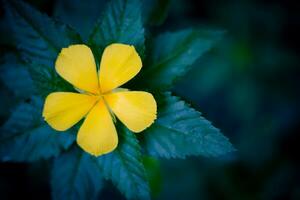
[15, 77]
[39, 39]
[121, 23]
[155, 11]
[124, 167]
[172, 55]
[153, 171]
[46, 80]
[75, 175]
[80, 15]
[26, 137]
[181, 131]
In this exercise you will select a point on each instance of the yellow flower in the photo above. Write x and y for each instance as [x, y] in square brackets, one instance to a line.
[99, 98]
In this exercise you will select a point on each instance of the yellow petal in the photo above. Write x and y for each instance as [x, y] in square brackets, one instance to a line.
[64, 109]
[98, 134]
[119, 64]
[137, 110]
[76, 64]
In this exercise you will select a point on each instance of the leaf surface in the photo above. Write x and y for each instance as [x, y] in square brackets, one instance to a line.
[26, 137]
[172, 55]
[121, 22]
[124, 167]
[75, 175]
[181, 131]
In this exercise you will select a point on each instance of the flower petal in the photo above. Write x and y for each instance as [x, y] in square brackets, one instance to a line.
[64, 109]
[76, 64]
[137, 110]
[119, 64]
[98, 134]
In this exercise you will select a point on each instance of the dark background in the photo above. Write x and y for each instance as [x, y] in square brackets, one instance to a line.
[248, 86]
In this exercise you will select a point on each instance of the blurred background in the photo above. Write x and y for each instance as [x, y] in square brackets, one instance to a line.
[248, 86]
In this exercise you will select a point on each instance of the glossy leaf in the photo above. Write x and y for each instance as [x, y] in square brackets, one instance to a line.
[124, 167]
[25, 137]
[121, 23]
[75, 176]
[46, 80]
[39, 39]
[16, 77]
[81, 15]
[181, 131]
[172, 55]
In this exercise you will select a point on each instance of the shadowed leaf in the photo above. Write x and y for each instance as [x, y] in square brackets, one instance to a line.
[39, 39]
[75, 175]
[121, 23]
[173, 54]
[26, 137]
[124, 167]
[181, 131]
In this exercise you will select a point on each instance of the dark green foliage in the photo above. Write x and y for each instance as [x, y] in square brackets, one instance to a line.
[38, 38]
[46, 80]
[81, 16]
[15, 77]
[153, 171]
[121, 23]
[155, 11]
[173, 54]
[75, 176]
[124, 166]
[25, 137]
[181, 131]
